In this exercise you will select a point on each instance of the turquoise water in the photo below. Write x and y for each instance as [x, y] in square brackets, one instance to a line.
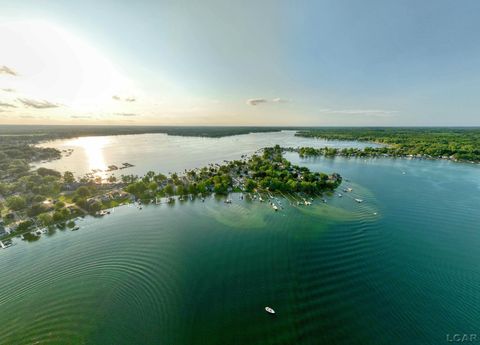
[400, 268]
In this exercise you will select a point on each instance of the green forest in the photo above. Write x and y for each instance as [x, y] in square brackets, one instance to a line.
[461, 144]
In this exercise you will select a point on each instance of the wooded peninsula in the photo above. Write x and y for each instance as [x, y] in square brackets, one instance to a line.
[45, 198]
[458, 144]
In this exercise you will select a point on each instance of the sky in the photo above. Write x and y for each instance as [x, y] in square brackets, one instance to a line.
[273, 63]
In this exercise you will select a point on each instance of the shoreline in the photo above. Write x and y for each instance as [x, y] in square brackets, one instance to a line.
[363, 154]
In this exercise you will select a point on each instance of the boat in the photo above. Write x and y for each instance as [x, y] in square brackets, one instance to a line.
[275, 207]
[228, 201]
[260, 198]
[269, 310]
[340, 195]
[76, 228]
[5, 244]
[359, 200]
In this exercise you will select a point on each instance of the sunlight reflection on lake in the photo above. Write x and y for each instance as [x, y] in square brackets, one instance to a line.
[93, 150]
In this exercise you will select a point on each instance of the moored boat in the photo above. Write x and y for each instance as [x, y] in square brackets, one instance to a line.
[269, 310]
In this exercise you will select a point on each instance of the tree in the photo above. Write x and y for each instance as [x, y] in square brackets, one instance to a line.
[59, 205]
[36, 209]
[169, 189]
[250, 185]
[39, 198]
[25, 225]
[18, 167]
[112, 179]
[160, 178]
[149, 175]
[192, 188]
[83, 192]
[81, 202]
[45, 219]
[201, 188]
[95, 206]
[181, 190]
[48, 172]
[137, 188]
[68, 177]
[3, 188]
[16, 203]
[58, 216]
[153, 186]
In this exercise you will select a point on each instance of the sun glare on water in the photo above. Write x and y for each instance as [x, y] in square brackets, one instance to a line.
[93, 148]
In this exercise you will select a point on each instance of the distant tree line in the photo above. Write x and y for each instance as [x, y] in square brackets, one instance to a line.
[453, 143]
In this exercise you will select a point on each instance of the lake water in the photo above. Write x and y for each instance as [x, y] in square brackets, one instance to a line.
[164, 153]
[400, 268]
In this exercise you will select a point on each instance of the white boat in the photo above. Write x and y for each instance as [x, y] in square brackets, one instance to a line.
[5, 244]
[358, 200]
[275, 207]
[269, 310]
[340, 195]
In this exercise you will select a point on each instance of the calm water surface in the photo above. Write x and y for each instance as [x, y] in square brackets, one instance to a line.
[400, 268]
[163, 153]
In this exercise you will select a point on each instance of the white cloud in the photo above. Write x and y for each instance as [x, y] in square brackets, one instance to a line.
[42, 104]
[7, 70]
[255, 101]
[125, 99]
[7, 105]
[126, 114]
[80, 117]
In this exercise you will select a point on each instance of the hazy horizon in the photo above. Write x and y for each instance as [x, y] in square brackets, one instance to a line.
[274, 63]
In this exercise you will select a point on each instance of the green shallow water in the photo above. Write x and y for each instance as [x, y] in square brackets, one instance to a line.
[400, 268]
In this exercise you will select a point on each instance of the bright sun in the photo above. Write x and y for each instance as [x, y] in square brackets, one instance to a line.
[58, 66]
